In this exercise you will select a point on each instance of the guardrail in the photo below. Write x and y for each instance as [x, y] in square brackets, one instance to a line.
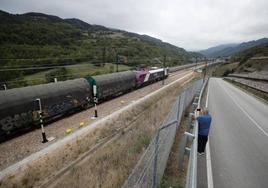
[260, 86]
[250, 76]
[191, 136]
[151, 166]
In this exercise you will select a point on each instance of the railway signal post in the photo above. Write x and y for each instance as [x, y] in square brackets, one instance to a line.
[41, 121]
[95, 100]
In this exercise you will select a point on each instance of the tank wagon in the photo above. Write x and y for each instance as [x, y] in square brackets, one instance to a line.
[17, 106]
[111, 85]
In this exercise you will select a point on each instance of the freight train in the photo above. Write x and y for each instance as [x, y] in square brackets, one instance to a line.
[18, 109]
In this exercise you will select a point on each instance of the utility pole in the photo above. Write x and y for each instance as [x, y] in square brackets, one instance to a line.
[103, 55]
[117, 61]
[164, 70]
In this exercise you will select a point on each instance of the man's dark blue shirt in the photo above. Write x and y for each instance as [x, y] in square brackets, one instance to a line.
[204, 122]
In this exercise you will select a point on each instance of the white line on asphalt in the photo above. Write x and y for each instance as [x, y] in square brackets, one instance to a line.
[208, 157]
[257, 125]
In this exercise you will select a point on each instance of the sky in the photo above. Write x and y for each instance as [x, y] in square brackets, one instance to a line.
[190, 24]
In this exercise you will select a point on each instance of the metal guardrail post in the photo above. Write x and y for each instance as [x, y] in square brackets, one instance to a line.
[182, 148]
[190, 122]
[194, 105]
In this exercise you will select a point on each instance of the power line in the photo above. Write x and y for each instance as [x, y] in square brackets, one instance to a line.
[51, 66]
[44, 78]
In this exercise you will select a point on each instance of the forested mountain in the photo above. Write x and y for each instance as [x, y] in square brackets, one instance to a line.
[256, 51]
[36, 39]
[230, 49]
[37, 35]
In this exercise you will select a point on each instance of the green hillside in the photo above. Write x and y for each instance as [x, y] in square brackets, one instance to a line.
[251, 60]
[231, 49]
[35, 39]
[257, 51]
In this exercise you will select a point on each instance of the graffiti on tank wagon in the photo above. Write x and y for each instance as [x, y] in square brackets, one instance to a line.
[17, 121]
[59, 107]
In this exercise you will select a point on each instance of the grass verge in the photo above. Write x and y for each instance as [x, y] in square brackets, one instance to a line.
[173, 177]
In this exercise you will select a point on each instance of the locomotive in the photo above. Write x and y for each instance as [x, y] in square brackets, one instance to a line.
[18, 110]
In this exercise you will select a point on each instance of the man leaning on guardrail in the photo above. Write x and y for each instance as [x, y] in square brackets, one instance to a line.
[204, 122]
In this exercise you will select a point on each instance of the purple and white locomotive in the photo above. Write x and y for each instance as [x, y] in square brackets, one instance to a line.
[145, 77]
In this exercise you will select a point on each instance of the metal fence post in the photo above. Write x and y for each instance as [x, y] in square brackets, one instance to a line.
[154, 183]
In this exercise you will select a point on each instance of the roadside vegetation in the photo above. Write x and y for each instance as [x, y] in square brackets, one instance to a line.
[257, 51]
[224, 69]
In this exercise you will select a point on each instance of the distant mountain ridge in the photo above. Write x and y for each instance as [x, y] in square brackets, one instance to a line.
[230, 49]
[41, 29]
[210, 51]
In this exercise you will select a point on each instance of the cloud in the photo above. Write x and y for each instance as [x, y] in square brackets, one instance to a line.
[191, 24]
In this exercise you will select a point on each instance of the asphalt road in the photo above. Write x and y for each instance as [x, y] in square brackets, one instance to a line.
[238, 137]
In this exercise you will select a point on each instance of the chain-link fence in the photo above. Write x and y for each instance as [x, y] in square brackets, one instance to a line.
[150, 168]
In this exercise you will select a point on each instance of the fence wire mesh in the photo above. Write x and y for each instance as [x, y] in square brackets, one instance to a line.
[151, 166]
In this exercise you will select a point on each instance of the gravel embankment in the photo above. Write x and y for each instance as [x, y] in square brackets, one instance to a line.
[262, 86]
[20, 147]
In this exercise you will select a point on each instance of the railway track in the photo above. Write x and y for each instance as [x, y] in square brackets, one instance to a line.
[20, 147]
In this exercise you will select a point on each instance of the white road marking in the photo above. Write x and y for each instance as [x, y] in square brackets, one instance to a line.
[249, 116]
[208, 157]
